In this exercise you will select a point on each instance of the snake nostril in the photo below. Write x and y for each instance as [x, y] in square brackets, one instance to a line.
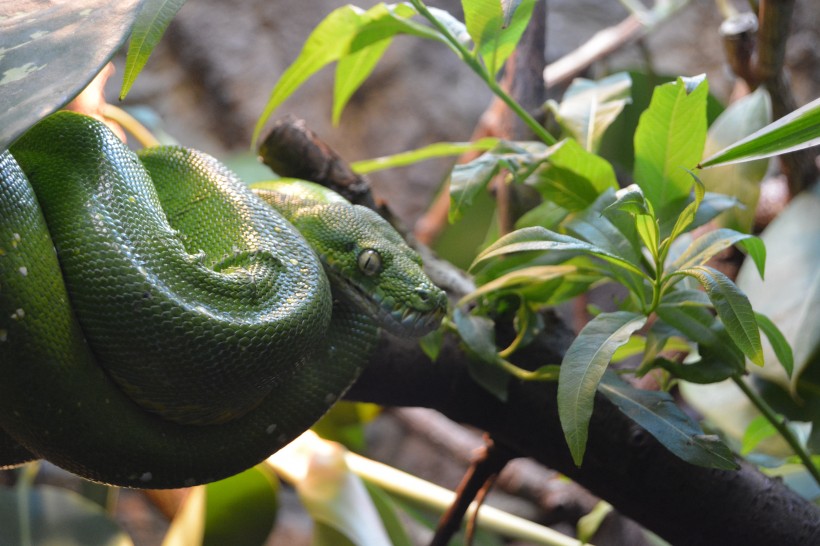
[423, 294]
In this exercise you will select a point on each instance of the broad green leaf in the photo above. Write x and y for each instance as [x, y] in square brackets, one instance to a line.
[56, 516]
[438, 149]
[719, 360]
[241, 510]
[710, 244]
[344, 31]
[669, 140]
[50, 53]
[732, 307]
[739, 120]
[798, 130]
[790, 295]
[589, 107]
[352, 70]
[149, 27]
[658, 414]
[582, 368]
[496, 29]
[572, 177]
[478, 335]
[540, 239]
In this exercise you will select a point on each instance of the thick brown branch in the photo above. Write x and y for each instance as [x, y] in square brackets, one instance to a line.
[684, 504]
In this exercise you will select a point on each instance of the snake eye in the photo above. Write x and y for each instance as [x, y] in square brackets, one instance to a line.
[370, 262]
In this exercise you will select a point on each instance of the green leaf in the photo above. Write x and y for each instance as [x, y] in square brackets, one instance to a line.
[241, 510]
[648, 229]
[352, 70]
[149, 27]
[582, 368]
[50, 55]
[572, 177]
[431, 151]
[630, 199]
[781, 347]
[56, 516]
[732, 307]
[589, 107]
[670, 139]
[790, 295]
[540, 239]
[612, 232]
[688, 316]
[742, 180]
[496, 29]
[518, 278]
[709, 244]
[758, 430]
[796, 131]
[478, 335]
[469, 179]
[343, 32]
[658, 414]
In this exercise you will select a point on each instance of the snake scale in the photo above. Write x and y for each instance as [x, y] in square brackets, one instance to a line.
[162, 325]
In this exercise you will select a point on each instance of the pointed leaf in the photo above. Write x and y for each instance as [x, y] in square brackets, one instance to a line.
[582, 368]
[742, 118]
[344, 31]
[153, 19]
[733, 308]
[790, 295]
[519, 277]
[50, 55]
[589, 107]
[540, 239]
[781, 347]
[496, 31]
[710, 244]
[658, 414]
[352, 70]
[669, 140]
[438, 149]
[629, 199]
[572, 177]
[798, 130]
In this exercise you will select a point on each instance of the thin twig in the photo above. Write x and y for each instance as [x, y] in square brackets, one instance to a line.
[493, 458]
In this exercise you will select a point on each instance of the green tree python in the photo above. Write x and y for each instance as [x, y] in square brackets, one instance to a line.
[163, 326]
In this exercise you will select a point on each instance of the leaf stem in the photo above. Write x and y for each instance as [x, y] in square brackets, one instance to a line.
[130, 124]
[488, 78]
[780, 424]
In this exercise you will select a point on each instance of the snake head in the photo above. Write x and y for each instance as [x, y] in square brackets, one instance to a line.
[363, 256]
[370, 262]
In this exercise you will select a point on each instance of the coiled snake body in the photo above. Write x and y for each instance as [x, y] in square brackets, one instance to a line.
[196, 331]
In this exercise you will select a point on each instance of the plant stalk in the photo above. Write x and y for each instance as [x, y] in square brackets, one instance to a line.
[779, 425]
[477, 67]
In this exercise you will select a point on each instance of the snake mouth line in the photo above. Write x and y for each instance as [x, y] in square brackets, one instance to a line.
[402, 321]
